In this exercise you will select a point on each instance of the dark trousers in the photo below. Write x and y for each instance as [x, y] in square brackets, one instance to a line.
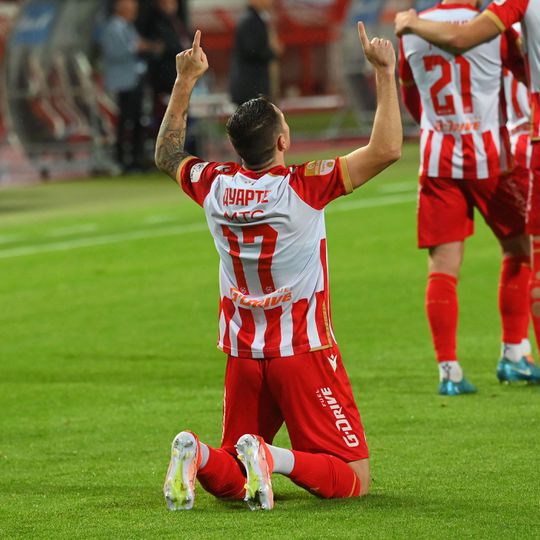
[129, 117]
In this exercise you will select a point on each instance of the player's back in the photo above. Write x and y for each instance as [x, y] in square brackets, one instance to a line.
[270, 234]
[460, 101]
[273, 231]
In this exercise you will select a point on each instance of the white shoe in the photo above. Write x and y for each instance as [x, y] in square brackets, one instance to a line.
[257, 460]
[179, 487]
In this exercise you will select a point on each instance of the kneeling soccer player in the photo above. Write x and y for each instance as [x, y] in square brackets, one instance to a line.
[283, 365]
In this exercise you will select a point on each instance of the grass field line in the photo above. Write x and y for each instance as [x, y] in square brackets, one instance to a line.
[10, 238]
[159, 219]
[372, 202]
[73, 231]
[399, 187]
[76, 243]
[101, 240]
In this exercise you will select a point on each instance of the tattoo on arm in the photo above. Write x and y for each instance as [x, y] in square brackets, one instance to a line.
[170, 142]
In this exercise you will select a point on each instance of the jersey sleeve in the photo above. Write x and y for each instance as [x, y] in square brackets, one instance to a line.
[196, 177]
[319, 182]
[511, 55]
[406, 77]
[505, 13]
[409, 91]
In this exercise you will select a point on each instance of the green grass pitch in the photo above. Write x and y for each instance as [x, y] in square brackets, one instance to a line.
[108, 321]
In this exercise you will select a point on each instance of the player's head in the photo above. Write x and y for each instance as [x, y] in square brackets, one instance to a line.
[259, 133]
[127, 9]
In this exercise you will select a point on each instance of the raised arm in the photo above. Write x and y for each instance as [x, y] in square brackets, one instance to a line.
[457, 38]
[384, 147]
[190, 66]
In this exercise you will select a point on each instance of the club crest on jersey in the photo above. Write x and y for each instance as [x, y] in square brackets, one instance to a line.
[196, 171]
[320, 168]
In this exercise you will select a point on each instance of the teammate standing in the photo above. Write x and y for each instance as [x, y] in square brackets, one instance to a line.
[283, 365]
[496, 19]
[464, 165]
[518, 123]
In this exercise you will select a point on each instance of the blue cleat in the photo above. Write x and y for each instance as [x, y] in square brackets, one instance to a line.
[524, 370]
[450, 388]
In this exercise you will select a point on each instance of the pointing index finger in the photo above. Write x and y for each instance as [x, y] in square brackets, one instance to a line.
[363, 36]
[197, 41]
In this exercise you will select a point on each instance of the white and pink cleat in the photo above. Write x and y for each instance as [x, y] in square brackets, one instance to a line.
[257, 460]
[179, 487]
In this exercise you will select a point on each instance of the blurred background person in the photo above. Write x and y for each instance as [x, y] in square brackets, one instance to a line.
[255, 54]
[164, 25]
[124, 71]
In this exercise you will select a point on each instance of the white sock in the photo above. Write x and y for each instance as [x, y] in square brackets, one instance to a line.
[205, 454]
[450, 369]
[526, 348]
[512, 351]
[283, 459]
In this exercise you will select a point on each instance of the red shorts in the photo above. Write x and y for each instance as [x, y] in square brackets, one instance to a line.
[446, 208]
[533, 210]
[315, 402]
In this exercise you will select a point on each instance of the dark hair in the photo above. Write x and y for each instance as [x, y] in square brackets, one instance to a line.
[253, 129]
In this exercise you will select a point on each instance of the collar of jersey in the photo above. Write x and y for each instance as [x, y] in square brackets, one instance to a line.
[257, 174]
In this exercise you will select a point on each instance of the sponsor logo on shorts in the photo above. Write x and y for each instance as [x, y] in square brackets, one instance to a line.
[196, 171]
[327, 399]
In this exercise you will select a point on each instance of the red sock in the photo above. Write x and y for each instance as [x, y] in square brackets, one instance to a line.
[513, 304]
[223, 476]
[535, 289]
[442, 313]
[325, 476]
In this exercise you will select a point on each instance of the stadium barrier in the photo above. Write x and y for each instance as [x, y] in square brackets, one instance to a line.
[59, 120]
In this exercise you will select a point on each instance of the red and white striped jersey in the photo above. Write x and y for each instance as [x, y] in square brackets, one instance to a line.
[518, 113]
[270, 233]
[460, 123]
[505, 13]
